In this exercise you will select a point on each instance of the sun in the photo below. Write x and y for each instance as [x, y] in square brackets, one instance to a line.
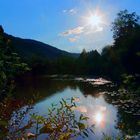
[94, 20]
[99, 117]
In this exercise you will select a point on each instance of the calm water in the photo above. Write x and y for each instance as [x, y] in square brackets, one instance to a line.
[94, 101]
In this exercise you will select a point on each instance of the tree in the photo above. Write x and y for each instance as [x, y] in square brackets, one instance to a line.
[10, 63]
[126, 33]
[124, 24]
[111, 64]
[81, 63]
[94, 63]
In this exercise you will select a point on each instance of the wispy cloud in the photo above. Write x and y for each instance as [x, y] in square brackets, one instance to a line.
[74, 31]
[81, 30]
[73, 39]
[89, 30]
[72, 11]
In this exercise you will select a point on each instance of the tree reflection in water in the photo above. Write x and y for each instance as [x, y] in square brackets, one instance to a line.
[91, 100]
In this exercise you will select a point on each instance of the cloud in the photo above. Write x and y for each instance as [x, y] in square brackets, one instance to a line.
[95, 29]
[79, 30]
[74, 31]
[70, 11]
[73, 39]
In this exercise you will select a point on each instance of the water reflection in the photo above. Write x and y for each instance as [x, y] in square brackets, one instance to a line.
[90, 100]
[100, 113]
[99, 117]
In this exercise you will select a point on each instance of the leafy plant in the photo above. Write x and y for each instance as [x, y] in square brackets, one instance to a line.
[61, 122]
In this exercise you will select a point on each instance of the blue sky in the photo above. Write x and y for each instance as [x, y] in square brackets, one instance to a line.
[64, 23]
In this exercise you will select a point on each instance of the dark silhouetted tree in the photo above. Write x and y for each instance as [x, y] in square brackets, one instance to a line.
[10, 63]
[126, 33]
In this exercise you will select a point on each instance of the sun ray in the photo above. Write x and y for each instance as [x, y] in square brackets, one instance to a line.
[95, 19]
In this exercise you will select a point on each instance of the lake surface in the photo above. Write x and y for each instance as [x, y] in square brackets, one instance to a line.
[95, 101]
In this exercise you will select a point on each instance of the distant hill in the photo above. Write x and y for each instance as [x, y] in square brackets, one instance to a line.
[28, 48]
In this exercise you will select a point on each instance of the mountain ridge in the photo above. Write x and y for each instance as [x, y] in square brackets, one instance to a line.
[27, 48]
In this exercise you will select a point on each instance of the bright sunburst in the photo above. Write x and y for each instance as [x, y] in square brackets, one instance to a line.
[98, 117]
[94, 20]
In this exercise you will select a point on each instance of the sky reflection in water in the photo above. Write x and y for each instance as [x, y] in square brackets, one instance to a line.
[102, 114]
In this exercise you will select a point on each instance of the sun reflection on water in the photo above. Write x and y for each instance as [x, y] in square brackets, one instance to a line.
[99, 120]
[98, 117]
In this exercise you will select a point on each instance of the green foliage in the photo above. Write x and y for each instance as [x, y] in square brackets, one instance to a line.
[12, 116]
[126, 29]
[89, 63]
[124, 24]
[10, 63]
[132, 84]
[111, 64]
[60, 122]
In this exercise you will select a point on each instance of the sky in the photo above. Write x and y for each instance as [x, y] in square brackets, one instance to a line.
[69, 25]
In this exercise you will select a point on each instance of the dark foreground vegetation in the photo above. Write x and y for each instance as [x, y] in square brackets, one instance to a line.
[119, 62]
